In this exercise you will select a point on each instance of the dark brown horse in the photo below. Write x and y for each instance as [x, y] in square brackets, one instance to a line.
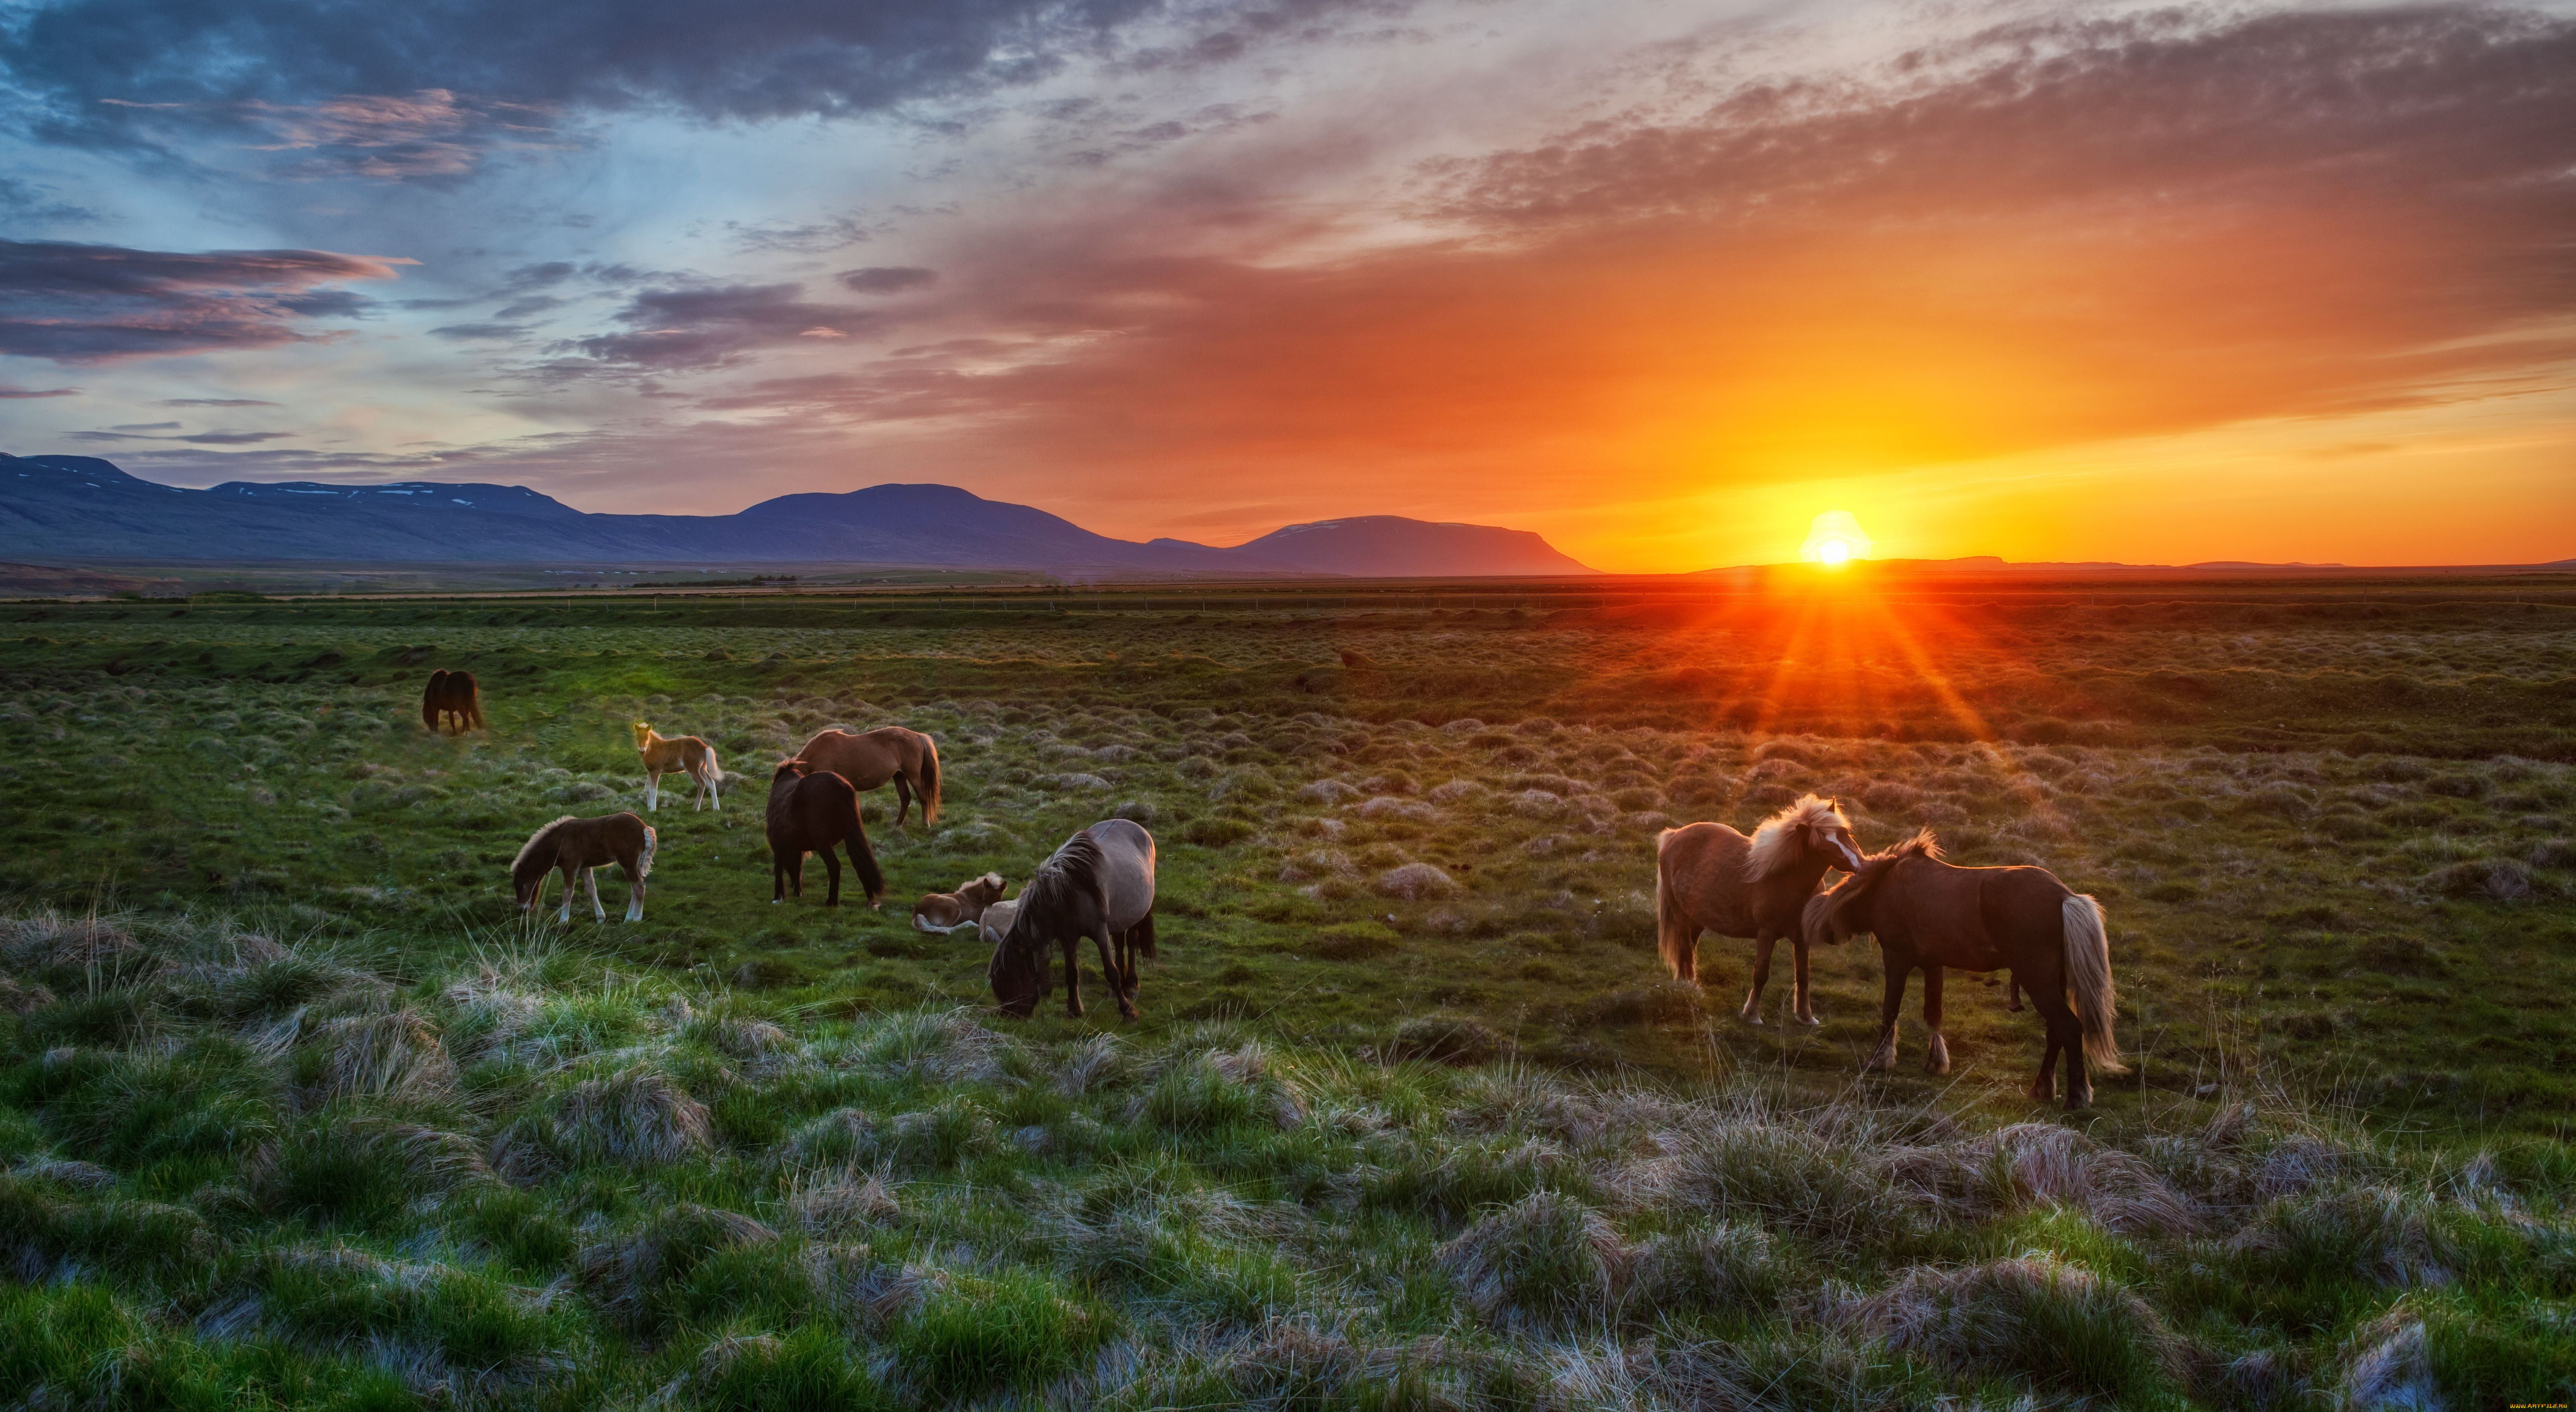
[452, 694]
[871, 758]
[1709, 878]
[812, 812]
[1927, 914]
[1100, 884]
[575, 847]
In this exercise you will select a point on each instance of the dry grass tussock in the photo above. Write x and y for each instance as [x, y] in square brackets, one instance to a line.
[1981, 1175]
[395, 1054]
[1545, 1261]
[2058, 1323]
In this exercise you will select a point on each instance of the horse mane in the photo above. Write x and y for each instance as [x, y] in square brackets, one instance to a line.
[1063, 880]
[1774, 843]
[530, 847]
[1822, 907]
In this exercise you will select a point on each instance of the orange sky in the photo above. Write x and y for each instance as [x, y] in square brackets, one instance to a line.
[2277, 283]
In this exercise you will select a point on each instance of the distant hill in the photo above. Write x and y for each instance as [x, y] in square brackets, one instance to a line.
[82, 507]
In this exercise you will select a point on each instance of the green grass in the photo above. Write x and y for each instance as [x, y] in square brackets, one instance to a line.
[294, 1111]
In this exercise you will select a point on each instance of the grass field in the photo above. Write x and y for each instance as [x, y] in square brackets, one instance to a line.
[301, 1112]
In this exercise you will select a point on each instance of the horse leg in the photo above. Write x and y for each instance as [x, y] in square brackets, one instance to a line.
[1804, 1008]
[1117, 981]
[1762, 944]
[1073, 977]
[2065, 1033]
[832, 864]
[2012, 992]
[902, 799]
[652, 790]
[2043, 1085]
[777, 876]
[634, 891]
[572, 879]
[1899, 970]
[590, 880]
[1936, 1054]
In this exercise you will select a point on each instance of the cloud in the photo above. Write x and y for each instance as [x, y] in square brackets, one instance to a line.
[142, 432]
[2040, 237]
[25, 203]
[751, 60]
[215, 402]
[100, 303]
[704, 326]
[18, 394]
[886, 279]
[480, 333]
[146, 426]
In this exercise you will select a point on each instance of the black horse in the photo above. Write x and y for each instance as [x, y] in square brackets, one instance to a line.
[811, 813]
[452, 695]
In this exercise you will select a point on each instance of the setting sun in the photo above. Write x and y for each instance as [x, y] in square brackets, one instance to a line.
[1835, 539]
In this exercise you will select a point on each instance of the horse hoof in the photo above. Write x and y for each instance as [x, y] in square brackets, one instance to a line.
[1809, 1020]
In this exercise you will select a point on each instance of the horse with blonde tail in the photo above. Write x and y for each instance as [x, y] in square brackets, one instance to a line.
[683, 754]
[1928, 914]
[871, 758]
[1709, 878]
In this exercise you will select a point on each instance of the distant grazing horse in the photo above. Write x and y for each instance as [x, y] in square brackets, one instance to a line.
[685, 754]
[812, 813]
[1100, 885]
[576, 846]
[1710, 878]
[871, 758]
[954, 911]
[452, 694]
[1928, 914]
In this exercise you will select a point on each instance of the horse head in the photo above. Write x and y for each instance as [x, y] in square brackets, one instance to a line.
[1829, 832]
[1017, 972]
[643, 734]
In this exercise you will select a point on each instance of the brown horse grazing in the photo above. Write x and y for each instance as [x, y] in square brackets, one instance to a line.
[452, 694]
[1928, 914]
[577, 846]
[1100, 884]
[871, 758]
[945, 912]
[1710, 878]
[812, 813]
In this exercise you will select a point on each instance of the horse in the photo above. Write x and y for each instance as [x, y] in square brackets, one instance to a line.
[1710, 878]
[811, 812]
[1100, 884]
[995, 924]
[683, 753]
[869, 759]
[575, 847]
[452, 694]
[954, 911]
[1930, 914]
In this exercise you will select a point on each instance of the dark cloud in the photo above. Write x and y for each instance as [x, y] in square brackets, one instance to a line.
[24, 203]
[886, 279]
[17, 394]
[142, 432]
[98, 303]
[753, 59]
[543, 276]
[527, 305]
[145, 426]
[215, 402]
[479, 333]
[707, 326]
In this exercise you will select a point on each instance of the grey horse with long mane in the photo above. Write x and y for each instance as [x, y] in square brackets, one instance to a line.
[1100, 885]
[1709, 878]
[1928, 914]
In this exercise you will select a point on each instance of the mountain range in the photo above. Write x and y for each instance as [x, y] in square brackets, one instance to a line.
[82, 507]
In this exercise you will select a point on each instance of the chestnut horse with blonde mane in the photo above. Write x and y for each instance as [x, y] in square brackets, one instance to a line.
[575, 848]
[870, 758]
[1928, 914]
[1709, 878]
[680, 754]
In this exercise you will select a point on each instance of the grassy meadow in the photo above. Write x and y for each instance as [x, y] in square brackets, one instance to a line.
[295, 1110]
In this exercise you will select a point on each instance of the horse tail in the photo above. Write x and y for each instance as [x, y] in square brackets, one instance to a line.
[713, 773]
[644, 860]
[2088, 981]
[862, 857]
[1676, 936]
[928, 785]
